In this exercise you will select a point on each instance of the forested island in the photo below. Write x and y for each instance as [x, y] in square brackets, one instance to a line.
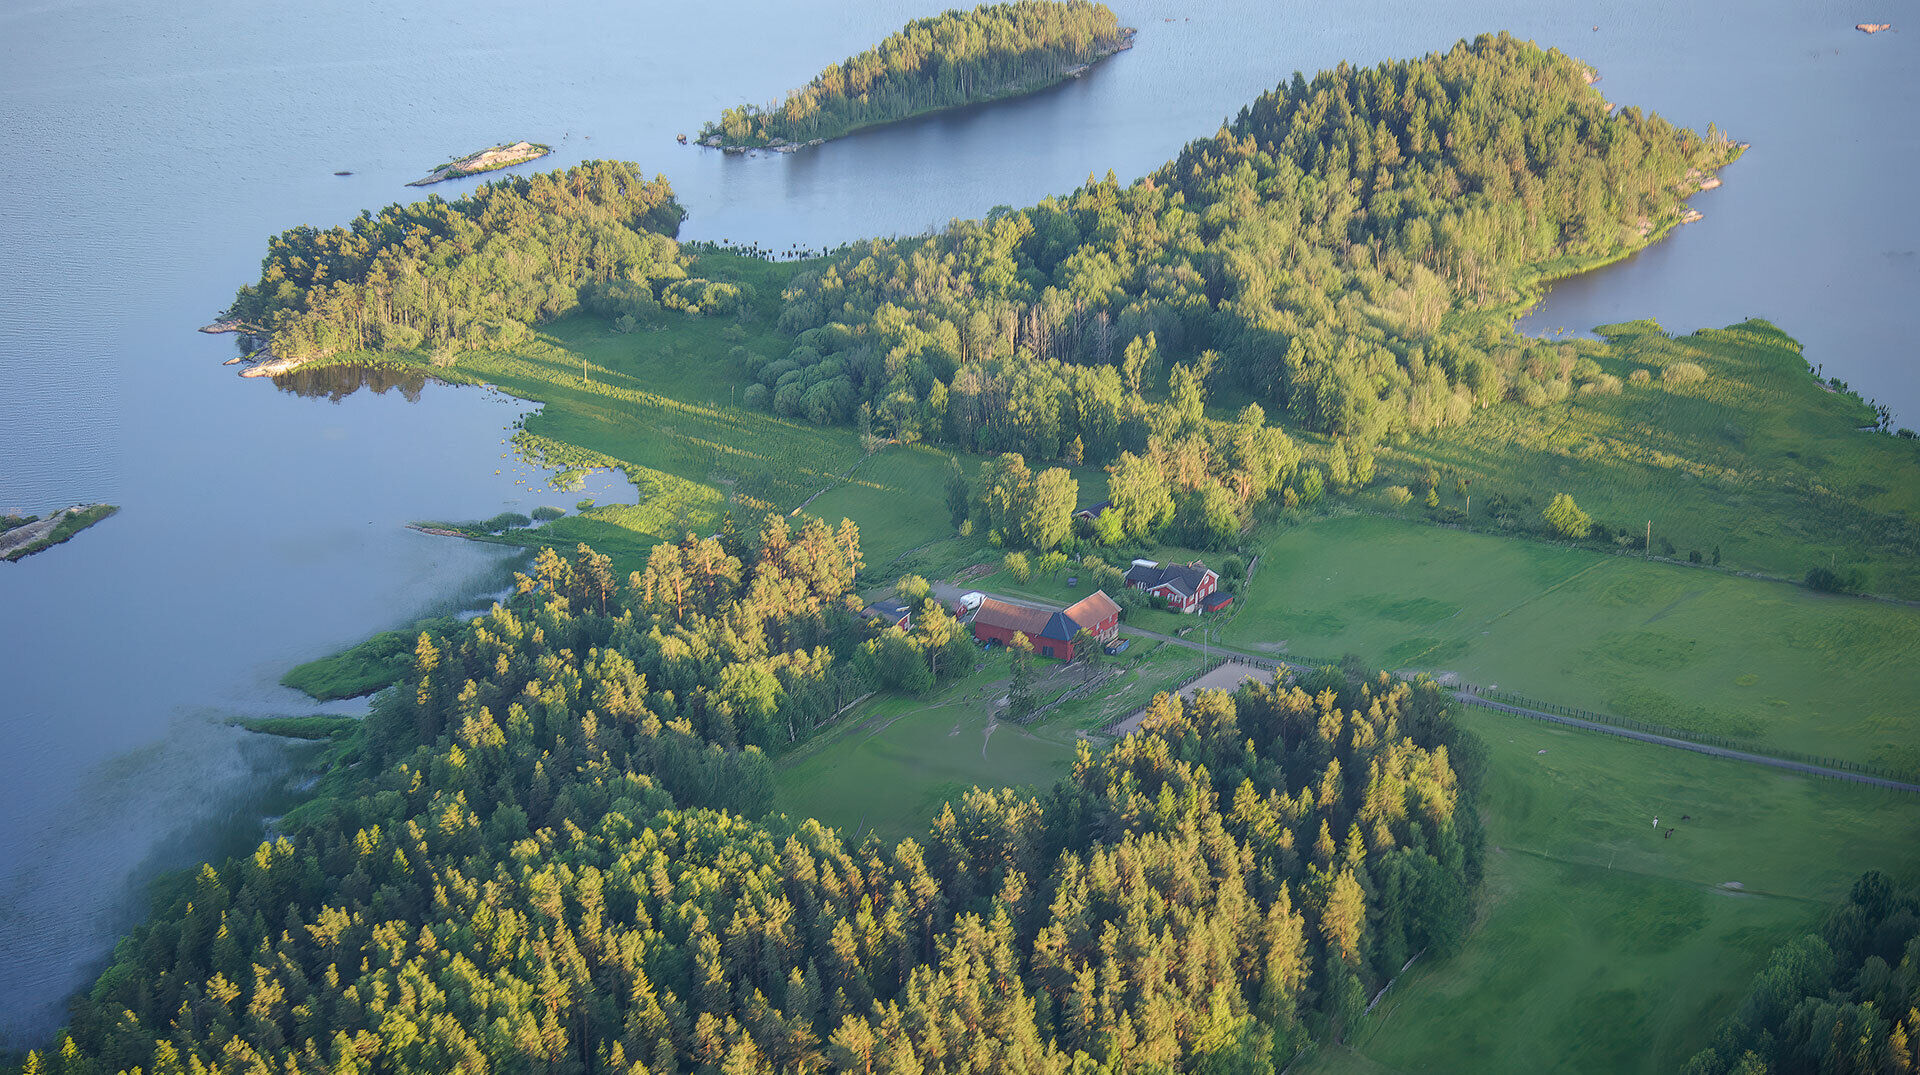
[491, 159]
[472, 272]
[946, 61]
[1331, 254]
[24, 535]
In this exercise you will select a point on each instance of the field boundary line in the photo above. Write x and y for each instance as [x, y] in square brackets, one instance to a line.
[1808, 768]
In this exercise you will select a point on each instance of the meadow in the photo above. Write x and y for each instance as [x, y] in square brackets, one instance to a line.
[1760, 460]
[1772, 665]
[658, 404]
[1604, 945]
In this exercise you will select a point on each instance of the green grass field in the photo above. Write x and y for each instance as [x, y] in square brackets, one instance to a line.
[1759, 460]
[1773, 665]
[894, 760]
[658, 403]
[1603, 945]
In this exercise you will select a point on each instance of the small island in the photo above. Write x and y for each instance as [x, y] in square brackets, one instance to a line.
[992, 53]
[491, 159]
[24, 535]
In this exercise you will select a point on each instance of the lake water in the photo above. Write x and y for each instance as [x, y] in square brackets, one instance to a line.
[153, 148]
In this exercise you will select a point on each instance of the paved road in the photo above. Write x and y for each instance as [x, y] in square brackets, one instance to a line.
[950, 594]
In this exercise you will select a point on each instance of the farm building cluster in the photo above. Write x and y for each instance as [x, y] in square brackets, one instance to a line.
[1188, 587]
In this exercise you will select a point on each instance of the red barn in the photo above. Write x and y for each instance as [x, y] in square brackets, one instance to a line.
[1050, 632]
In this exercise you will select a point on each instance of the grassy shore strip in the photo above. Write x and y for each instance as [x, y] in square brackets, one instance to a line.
[378, 662]
[1603, 944]
[319, 726]
[658, 403]
[24, 537]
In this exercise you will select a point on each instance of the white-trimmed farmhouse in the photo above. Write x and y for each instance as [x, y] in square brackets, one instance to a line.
[1183, 586]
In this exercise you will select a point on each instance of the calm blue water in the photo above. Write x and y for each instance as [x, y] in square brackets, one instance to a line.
[155, 146]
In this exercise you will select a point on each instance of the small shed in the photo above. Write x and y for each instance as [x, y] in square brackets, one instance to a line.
[890, 612]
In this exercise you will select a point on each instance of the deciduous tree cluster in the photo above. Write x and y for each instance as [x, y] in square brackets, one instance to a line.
[1844, 1001]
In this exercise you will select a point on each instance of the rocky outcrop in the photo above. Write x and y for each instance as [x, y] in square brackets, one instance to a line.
[29, 538]
[1872, 27]
[487, 160]
[271, 366]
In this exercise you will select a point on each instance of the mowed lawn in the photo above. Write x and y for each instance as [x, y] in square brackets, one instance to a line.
[894, 760]
[1604, 945]
[1773, 665]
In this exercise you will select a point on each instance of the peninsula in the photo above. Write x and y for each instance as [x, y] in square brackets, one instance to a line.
[24, 535]
[491, 159]
[994, 52]
[1290, 347]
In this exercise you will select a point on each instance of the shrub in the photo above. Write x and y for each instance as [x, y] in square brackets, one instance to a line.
[1312, 484]
[1683, 373]
[1399, 495]
[1018, 567]
[757, 396]
[1826, 580]
[1640, 376]
[546, 513]
[1566, 518]
[506, 520]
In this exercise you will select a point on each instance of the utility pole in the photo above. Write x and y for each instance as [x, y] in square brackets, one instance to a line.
[583, 372]
[1649, 539]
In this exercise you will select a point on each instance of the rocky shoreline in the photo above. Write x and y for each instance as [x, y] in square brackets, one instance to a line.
[26, 538]
[491, 159]
[261, 362]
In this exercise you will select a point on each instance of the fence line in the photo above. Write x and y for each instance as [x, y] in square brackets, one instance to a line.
[1468, 693]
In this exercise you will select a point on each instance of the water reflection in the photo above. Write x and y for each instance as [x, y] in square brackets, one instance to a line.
[335, 383]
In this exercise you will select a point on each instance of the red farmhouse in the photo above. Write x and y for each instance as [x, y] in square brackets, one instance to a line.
[1050, 632]
[1183, 585]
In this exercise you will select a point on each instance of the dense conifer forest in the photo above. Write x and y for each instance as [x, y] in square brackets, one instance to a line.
[550, 850]
[1322, 253]
[952, 59]
[472, 272]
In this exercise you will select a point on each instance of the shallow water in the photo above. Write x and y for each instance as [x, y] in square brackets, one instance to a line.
[153, 149]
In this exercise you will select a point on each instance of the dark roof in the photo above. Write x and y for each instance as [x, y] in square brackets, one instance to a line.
[1094, 511]
[891, 609]
[1091, 609]
[1184, 579]
[1032, 622]
[1217, 600]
